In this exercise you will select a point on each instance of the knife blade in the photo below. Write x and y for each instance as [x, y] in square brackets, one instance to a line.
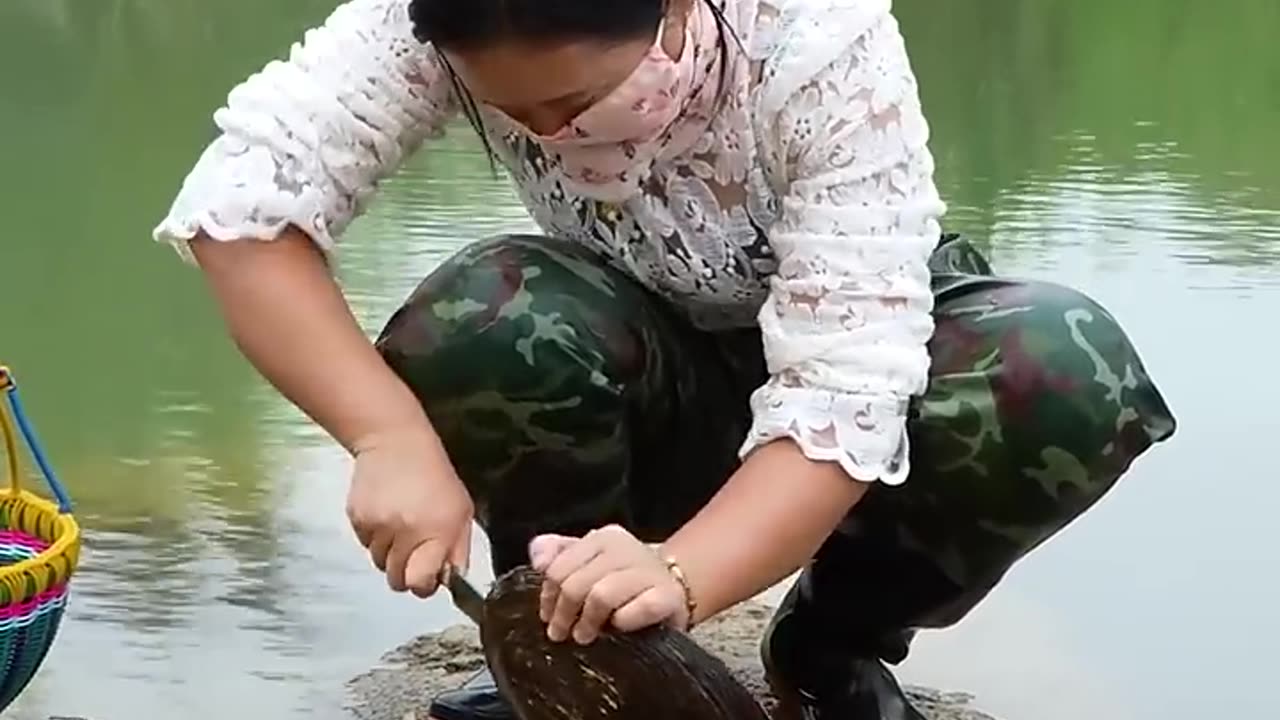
[465, 596]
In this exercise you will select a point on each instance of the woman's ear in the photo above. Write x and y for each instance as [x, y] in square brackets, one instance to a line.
[677, 11]
[677, 17]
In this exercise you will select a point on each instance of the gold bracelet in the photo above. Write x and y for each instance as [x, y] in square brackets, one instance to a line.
[690, 603]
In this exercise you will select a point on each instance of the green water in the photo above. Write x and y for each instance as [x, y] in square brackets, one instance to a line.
[1128, 148]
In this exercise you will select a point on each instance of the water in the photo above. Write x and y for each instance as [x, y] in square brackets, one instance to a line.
[1127, 149]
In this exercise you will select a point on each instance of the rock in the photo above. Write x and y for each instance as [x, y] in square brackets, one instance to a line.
[402, 685]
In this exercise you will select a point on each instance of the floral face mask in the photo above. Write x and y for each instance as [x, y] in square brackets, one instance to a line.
[608, 149]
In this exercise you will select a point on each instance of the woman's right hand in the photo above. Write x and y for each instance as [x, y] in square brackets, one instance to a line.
[289, 318]
[410, 509]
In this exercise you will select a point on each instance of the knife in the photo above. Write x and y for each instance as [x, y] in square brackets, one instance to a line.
[465, 596]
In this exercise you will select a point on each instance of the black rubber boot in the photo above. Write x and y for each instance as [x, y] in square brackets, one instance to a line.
[477, 699]
[830, 677]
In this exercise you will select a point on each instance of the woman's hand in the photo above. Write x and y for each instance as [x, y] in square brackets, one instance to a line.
[289, 318]
[408, 507]
[606, 575]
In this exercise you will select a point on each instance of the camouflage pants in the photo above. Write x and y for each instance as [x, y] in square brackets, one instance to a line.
[568, 397]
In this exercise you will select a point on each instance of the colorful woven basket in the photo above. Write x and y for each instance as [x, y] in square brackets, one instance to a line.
[39, 551]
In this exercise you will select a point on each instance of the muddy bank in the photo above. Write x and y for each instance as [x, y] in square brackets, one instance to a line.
[402, 686]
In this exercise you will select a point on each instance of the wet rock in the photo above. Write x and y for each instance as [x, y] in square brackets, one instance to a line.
[402, 685]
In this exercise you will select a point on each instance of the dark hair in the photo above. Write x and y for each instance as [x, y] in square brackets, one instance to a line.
[464, 24]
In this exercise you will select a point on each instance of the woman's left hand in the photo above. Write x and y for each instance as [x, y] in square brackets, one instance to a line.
[608, 574]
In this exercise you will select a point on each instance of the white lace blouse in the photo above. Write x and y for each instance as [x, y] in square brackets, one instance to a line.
[808, 206]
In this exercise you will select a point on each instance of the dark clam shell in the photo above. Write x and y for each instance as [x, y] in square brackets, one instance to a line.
[655, 674]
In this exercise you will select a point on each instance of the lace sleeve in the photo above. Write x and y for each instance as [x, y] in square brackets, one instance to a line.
[847, 318]
[306, 140]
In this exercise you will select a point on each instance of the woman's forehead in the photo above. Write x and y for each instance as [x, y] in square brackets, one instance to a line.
[520, 74]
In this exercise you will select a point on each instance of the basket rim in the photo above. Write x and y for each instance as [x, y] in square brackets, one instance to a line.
[67, 540]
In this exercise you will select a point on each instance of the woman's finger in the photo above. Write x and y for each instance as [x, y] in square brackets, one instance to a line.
[572, 591]
[363, 534]
[607, 595]
[652, 607]
[401, 548]
[569, 560]
[379, 546]
[460, 553]
[542, 551]
[422, 569]
[546, 548]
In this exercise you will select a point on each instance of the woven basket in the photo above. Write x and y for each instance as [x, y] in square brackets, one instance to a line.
[39, 551]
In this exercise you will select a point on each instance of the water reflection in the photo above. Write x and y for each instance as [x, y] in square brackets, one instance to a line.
[1120, 148]
[441, 200]
[1130, 613]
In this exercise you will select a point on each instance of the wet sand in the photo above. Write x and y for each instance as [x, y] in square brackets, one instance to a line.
[402, 685]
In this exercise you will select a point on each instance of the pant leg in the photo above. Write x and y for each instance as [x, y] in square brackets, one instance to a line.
[567, 396]
[1037, 404]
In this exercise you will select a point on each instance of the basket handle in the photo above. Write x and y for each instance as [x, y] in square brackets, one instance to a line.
[9, 387]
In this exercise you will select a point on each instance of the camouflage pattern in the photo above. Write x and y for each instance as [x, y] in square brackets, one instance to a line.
[569, 396]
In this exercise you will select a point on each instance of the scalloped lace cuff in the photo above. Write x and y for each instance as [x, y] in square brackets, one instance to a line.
[233, 192]
[866, 434]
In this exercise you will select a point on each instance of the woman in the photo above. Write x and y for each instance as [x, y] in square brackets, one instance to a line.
[743, 337]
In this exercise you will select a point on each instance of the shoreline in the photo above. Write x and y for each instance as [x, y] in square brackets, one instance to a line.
[401, 686]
